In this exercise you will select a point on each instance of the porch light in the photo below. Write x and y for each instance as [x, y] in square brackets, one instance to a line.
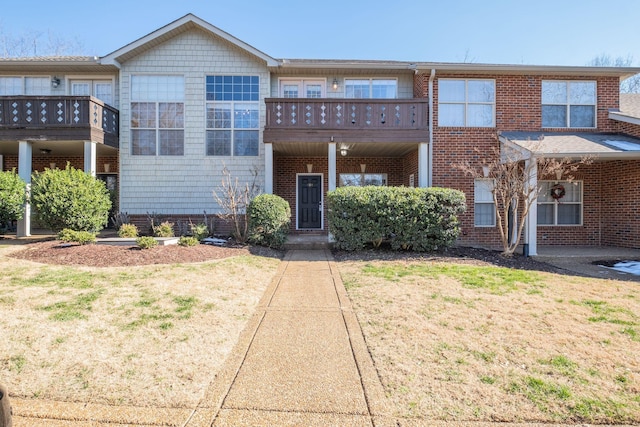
[45, 151]
[344, 148]
[55, 82]
[334, 85]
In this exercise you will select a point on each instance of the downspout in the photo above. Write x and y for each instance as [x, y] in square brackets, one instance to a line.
[432, 76]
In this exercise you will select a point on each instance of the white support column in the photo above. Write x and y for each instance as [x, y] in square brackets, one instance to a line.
[531, 226]
[423, 165]
[25, 153]
[268, 168]
[331, 158]
[90, 155]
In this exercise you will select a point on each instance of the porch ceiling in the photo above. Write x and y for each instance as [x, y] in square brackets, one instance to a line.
[601, 146]
[320, 149]
[58, 148]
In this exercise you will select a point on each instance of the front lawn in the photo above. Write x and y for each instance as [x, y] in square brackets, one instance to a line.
[455, 340]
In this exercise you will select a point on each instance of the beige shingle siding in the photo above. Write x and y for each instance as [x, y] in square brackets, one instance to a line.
[184, 184]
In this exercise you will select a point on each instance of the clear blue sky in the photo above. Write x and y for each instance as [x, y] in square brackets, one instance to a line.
[541, 32]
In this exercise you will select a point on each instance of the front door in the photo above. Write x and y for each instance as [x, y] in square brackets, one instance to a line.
[310, 201]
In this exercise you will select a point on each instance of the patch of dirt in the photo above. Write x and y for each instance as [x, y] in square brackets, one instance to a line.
[56, 252]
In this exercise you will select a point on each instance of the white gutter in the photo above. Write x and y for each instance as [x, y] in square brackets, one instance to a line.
[432, 76]
[621, 117]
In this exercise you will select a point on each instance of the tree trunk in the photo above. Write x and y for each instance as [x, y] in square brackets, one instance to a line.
[5, 408]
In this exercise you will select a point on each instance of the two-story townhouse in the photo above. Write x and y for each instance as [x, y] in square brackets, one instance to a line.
[194, 100]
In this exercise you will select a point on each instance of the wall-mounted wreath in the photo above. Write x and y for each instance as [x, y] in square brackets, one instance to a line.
[558, 191]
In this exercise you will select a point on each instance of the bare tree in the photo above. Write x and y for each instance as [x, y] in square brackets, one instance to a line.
[629, 85]
[32, 43]
[234, 198]
[510, 175]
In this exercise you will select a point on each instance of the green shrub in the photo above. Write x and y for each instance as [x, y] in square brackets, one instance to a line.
[418, 219]
[200, 231]
[70, 198]
[269, 217]
[163, 230]
[146, 242]
[82, 237]
[128, 230]
[12, 196]
[188, 241]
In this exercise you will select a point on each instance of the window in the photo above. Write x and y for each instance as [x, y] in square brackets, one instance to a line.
[371, 88]
[568, 104]
[466, 103]
[290, 88]
[101, 89]
[362, 179]
[157, 115]
[560, 203]
[483, 206]
[233, 118]
[25, 86]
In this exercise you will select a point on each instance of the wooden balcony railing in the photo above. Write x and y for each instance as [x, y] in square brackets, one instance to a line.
[291, 118]
[58, 117]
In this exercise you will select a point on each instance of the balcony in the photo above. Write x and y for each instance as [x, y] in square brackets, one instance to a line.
[348, 120]
[58, 118]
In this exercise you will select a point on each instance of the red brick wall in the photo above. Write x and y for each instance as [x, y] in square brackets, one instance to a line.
[621, 203]
[629, 129]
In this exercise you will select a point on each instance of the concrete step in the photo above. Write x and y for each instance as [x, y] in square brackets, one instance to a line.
[307, 242]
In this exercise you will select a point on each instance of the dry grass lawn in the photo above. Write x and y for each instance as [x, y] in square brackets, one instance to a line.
[454, 341]
[144, 336]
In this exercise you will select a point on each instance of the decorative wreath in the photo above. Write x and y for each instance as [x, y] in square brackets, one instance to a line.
[557, 191]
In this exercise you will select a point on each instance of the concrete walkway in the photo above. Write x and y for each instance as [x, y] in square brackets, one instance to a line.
[302, 360]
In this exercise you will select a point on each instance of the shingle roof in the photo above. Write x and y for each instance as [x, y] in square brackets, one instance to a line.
[630, 104]
[600, 145]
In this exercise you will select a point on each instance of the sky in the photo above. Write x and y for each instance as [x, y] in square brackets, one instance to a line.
[538, 32]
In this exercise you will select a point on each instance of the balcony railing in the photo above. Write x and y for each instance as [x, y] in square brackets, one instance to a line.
[59, 117]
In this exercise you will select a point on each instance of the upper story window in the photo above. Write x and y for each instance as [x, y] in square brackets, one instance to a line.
[568, 104]
[101, 89]
[560, 203]
[157, 115]
[25, 86]
[371, 88]
[466, 102]
[295, 88]
[233, 115]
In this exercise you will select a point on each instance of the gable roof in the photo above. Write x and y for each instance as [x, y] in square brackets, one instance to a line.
[171, 30]
[629, 111]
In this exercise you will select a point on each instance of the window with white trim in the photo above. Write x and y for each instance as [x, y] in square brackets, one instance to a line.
[101, 89]
[560, 203]
[362, 179]
[483, 206]
[466, 102]
[157, 115]
[371, 88]
[305, 88]
[568, 104]
[233, 115]
[25, 86]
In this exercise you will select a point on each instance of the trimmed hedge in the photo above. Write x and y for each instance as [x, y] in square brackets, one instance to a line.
[418, 219]
[269, 217]
[12, 196]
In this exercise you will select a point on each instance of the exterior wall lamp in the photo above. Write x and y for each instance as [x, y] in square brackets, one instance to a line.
[334, 85]
[55, 82]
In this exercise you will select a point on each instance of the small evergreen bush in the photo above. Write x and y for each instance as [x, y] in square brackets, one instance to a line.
[146, 242]
[82, 237]
[188, 241]
[128, 230]
[200, 231]
[269, 217]
[165, 229]
[418, 219]
[12, 196]
[70, 198]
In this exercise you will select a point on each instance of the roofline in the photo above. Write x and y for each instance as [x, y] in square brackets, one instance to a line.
[617, 155]
[622, 72]
[346, 64]
[112, 58]
[622, 117]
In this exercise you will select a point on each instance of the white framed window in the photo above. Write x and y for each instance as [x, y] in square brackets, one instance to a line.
[302, 88]
[363, 179]
[232, 115]
[11, 86]
[466, 102]
[14, 85]
[568, 104]
[101, 89]
[157, 115]
[371, 88]
[560, 203]
[483, 206]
